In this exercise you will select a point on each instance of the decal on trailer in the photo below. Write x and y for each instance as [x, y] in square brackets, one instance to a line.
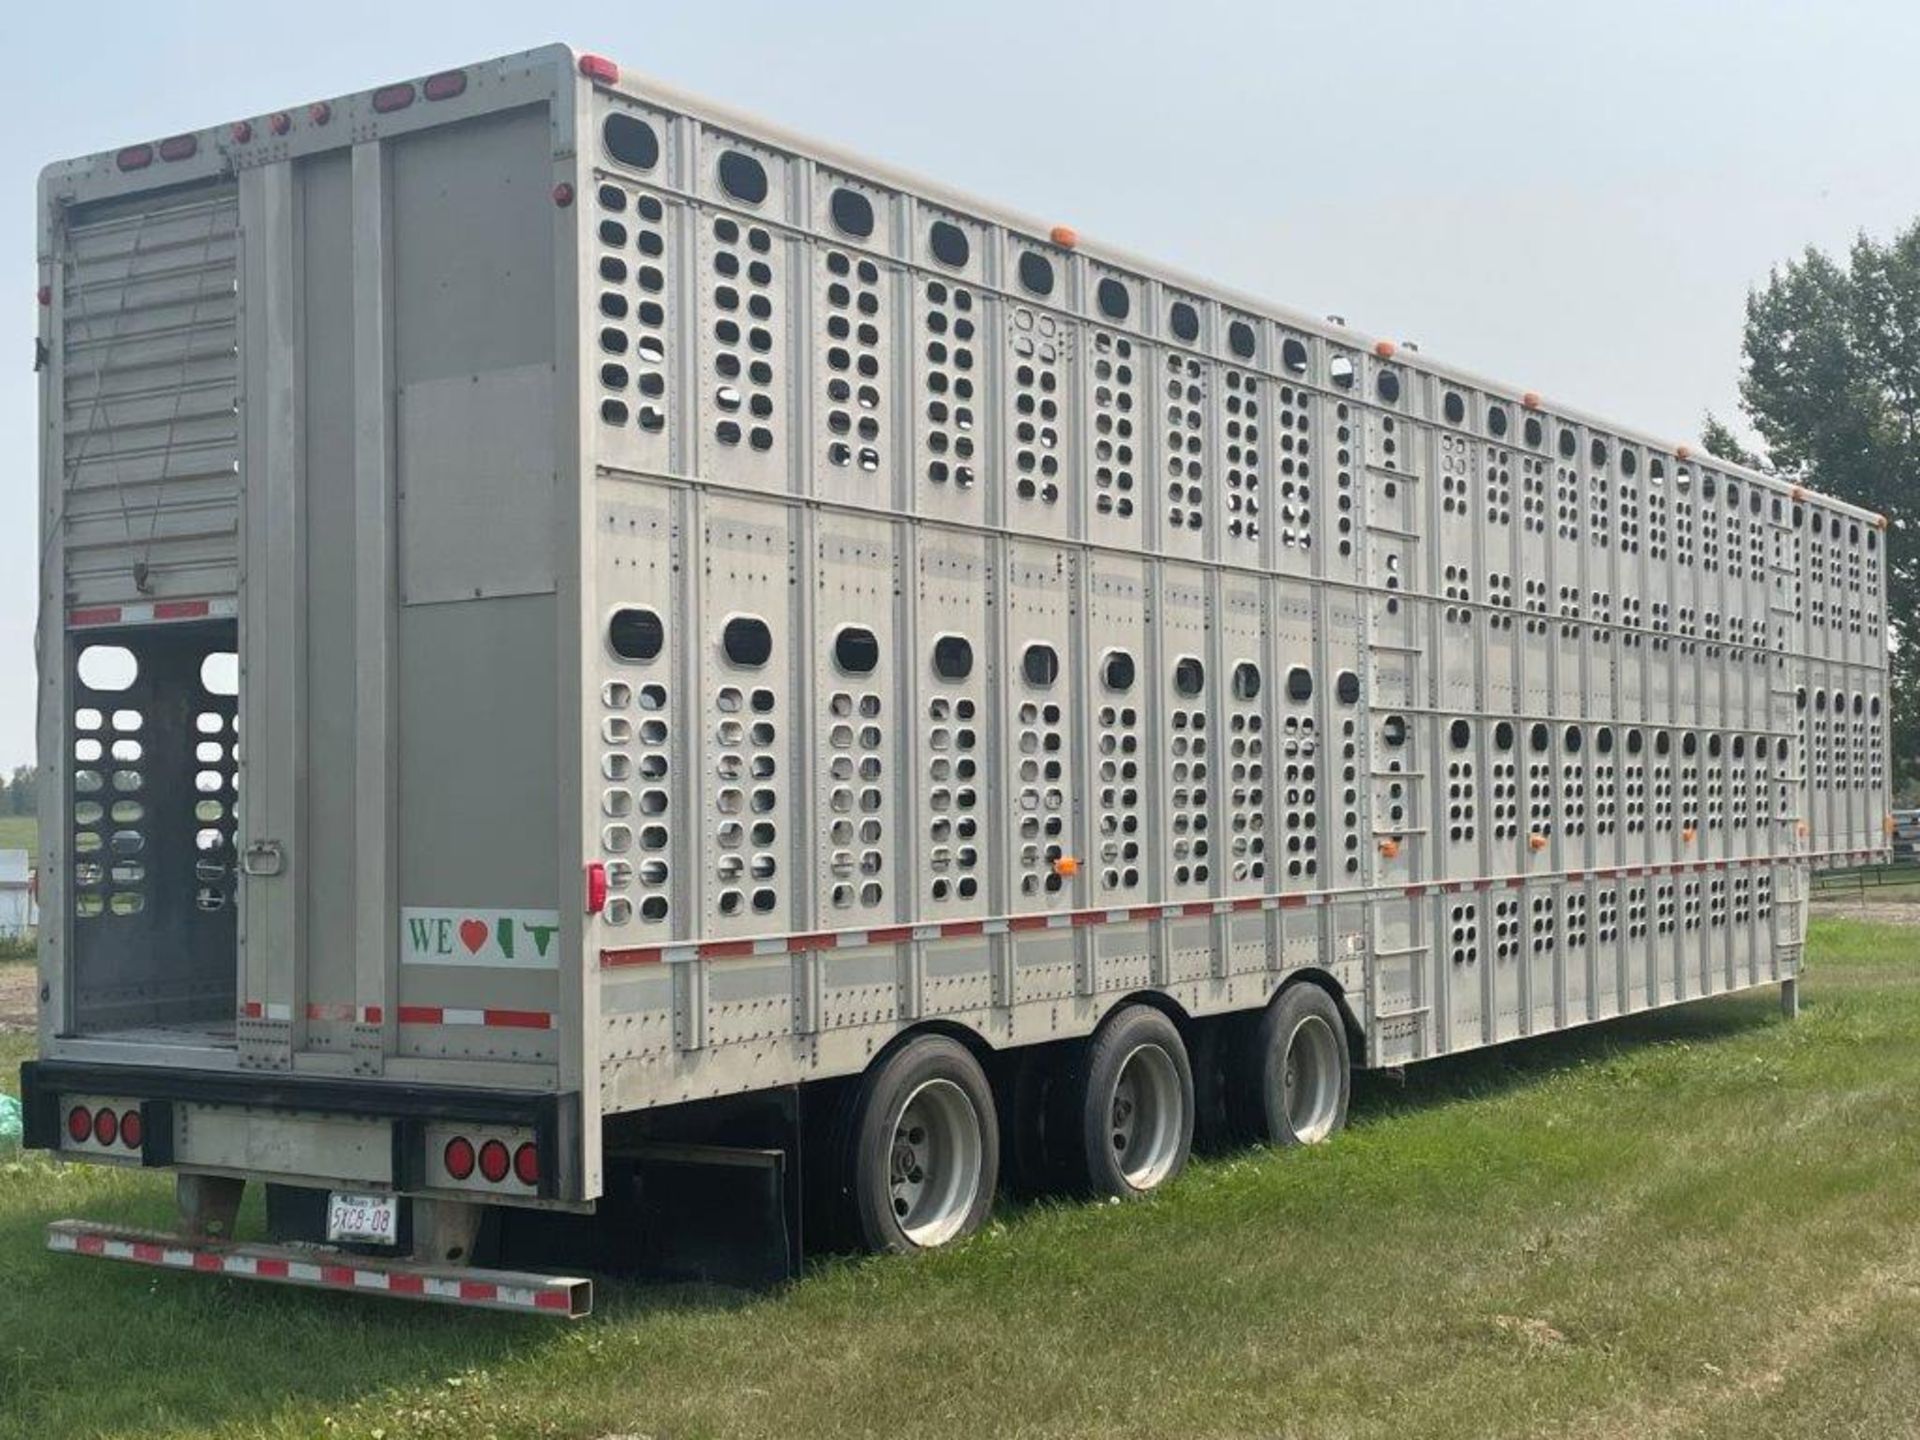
[504, 939]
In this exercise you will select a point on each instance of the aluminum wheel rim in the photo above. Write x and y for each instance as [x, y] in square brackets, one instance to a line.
[1144, 1117]
[1310, 1080]
[933, 1170]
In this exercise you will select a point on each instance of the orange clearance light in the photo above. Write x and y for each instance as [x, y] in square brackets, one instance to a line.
[1686, 836]
[1531, 399]
[1683, 452]
[1536, 842]
[1065, 236]
[1383, 348]
[1799, 492]
[1390, 849]
[1800, 829]
[1067, 865]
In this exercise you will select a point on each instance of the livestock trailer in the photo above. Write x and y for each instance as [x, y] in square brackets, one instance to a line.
[593, 650]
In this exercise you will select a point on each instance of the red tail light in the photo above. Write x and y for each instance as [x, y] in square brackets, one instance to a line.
[526, 1165]
[600, 69]
[445, 85]
[458, 1157]
[132, 1130]
[389, 98]
[494, 1161]
[79, 1123]
[106, 1126]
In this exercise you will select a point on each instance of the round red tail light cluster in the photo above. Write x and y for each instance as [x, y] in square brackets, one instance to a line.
[526, 1165]
[493, 1161]
[104, 1127]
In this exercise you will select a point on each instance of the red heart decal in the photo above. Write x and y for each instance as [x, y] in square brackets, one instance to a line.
[473, 934]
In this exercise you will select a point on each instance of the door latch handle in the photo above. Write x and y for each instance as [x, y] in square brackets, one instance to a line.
[262, 858]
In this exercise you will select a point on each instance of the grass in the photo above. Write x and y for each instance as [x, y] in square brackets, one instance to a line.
[21, 832]
[1694, 1223]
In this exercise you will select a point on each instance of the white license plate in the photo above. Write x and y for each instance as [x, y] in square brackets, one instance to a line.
[363, 1217]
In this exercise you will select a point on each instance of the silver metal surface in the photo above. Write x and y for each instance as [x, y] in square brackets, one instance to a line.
[1146, 1116]
[1310, 1079]
[935, 1163]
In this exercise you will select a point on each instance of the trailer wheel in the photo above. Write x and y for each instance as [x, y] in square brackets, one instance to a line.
[926, 1147]
[1125, 1106]
[1294, 1075]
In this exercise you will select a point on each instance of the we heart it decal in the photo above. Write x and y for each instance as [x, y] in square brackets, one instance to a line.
[520, 939]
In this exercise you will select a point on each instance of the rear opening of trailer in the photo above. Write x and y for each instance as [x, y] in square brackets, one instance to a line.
[622, 688]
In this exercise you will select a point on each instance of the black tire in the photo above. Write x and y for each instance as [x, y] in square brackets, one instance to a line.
[1092, 1144]
[1266, 1107]
[940, 1073]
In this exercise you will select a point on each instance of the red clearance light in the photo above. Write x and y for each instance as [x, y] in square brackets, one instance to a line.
[320, 112]
[563, 194]
[132, 1130]
[106, 1126]
[458, 1157]
[242, 131]
[46, 295]
[526, 1165]
[494, 1162]
[600, 69]
[79, 1123]
[389, 98]
[134, 157]
[179, 147]
[596, 888]
[280, 122]
[445, 85]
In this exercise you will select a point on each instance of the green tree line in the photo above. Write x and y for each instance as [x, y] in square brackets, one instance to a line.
[1830, 382]
[20, 792]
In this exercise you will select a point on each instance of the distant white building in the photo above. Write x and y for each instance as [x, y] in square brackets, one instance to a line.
[18, 912]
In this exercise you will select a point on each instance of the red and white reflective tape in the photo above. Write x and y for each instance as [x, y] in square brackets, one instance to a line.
[774, 945]
[406, 1014]
[557, 1295]
[489, 1019]
[151, 612]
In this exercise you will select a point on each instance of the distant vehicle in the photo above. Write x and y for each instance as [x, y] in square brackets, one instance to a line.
[623, 681]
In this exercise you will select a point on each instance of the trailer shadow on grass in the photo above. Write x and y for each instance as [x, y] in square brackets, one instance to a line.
[192, 1352]
[1519, 1064]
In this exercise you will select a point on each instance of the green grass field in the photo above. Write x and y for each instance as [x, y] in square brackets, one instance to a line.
[1698, 1223]
[20, 832]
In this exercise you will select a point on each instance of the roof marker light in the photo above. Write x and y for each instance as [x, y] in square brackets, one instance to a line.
[1531, 399]
[320, 112]
[389, 98]
[134, 157]
[599, 69]
[242, 131]
[280, 122]
[1383, 348]
[179, 147]
[46, 295]
[445, 85]
[1065, 236]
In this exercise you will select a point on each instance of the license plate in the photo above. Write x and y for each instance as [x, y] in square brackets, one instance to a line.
[373, 1218]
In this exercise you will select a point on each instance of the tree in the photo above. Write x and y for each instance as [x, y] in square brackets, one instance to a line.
[20, 795]
[1831, 384]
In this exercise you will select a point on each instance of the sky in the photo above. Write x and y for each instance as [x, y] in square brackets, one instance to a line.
[1573, 197]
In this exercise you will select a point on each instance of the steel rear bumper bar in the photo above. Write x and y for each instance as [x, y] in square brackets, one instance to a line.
[564, 1297]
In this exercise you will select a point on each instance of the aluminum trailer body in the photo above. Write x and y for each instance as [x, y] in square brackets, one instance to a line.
[562, 602]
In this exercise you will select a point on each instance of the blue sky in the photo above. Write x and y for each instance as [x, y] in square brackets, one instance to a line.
[1574, 197]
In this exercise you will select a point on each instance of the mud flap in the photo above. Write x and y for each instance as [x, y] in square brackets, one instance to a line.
[721, 1214]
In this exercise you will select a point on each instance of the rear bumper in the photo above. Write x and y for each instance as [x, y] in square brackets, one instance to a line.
[565, 1297]
[406, 1109]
